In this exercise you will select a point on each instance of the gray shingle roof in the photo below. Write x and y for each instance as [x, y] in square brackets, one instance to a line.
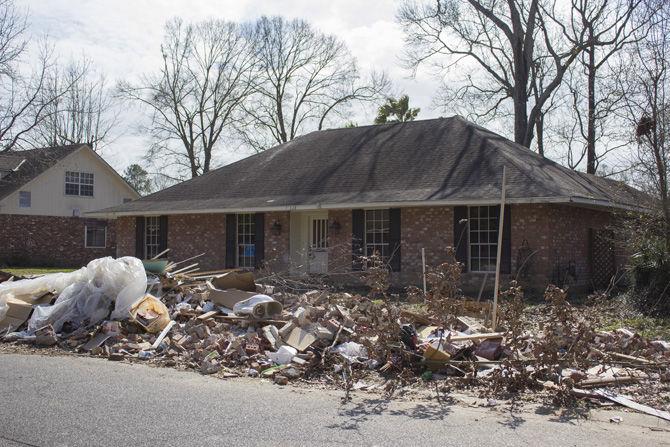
[448, 160]
[35, 162]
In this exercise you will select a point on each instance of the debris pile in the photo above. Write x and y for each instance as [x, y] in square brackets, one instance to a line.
[224, 323]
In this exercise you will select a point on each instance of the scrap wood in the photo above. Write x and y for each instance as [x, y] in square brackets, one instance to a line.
[159, 254]
[628, 402]
[174, 264]
[207, 315]
[609, 381]
[417, 318]
[476, 336]
[630, 357]
[163, 333]
[183, 269]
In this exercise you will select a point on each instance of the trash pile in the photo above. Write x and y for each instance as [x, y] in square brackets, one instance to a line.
[224, 323]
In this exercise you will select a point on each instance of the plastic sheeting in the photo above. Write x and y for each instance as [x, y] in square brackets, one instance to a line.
[84, 296]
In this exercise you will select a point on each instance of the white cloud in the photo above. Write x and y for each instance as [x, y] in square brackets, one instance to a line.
[123, 38]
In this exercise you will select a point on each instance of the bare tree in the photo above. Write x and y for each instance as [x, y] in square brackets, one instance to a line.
[306, 78]
[22, 106]
[207, 73]
[79, 108]
[647, 107]
[607, 27]
[498, 45]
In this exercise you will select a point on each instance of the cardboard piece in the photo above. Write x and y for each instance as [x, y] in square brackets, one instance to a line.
[241, 280]
[17, 314]
[300, 339]
[96, 341]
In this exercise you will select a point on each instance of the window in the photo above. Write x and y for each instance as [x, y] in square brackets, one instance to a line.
[377, 233]
[246, 240]
[151, 236]
[483, 234]
[96, 236]
[78, 183]
[24, 199]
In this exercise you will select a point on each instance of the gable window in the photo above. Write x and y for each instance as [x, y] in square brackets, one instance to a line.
[96, 236]
[24, 199]
[377, 233]
[151, 236]
[246, 240]
[483, 237]
[78, 183]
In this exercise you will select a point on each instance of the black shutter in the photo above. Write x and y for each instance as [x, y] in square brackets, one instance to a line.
[394, 239]
[162, 233]
[231, 240]
[139, 237]
[506, 253]
[461, 235]
[260, 239]
[357, 238]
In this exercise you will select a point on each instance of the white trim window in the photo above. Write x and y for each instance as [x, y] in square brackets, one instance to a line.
[78, 183]
[246, 240]
[377, 230]
[151, 236]
[24, 199]
[483, 238]
[95, 236]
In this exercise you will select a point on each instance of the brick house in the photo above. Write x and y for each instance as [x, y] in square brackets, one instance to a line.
[317, 203]
[44, 194]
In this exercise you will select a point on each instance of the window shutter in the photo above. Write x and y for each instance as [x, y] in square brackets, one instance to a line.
[394, 239]
[506, 252]
[162, 233]
[357, 238]
[139, 237]
[461, 235]
[260, 239]
[231, 240]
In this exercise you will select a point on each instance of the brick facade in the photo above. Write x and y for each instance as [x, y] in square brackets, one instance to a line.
[277, 251]
[339, 241]
[49, 241]
[192, 234]
[556, 235]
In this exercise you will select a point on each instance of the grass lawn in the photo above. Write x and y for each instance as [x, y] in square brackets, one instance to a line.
[26, 271]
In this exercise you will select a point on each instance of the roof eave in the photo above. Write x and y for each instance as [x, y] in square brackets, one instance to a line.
[352, 205]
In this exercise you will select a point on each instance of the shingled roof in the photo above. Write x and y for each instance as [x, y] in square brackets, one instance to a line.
[19, 167]
[441, 161]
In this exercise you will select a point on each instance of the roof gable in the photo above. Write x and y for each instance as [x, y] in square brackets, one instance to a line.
[34, 163]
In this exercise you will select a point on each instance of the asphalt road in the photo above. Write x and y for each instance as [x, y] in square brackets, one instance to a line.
[85, 401]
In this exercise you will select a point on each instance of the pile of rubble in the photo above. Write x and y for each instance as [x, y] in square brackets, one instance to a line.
[224, 323]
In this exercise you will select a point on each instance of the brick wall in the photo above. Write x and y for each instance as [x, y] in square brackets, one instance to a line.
[277, 251]
[558, 235]
[339, 241]
[125, 239]
[192, 234]
[49, 241]
[431, 228]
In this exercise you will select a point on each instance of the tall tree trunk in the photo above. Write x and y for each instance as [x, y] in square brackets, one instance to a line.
[591, 126]
[539, 129]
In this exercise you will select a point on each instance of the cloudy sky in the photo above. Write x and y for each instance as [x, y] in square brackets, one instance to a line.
[122, 37]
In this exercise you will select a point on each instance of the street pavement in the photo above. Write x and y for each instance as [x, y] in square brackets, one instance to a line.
[79, 401]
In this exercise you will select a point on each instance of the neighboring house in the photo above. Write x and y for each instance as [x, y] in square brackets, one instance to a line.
[44, 194]
[320, 201]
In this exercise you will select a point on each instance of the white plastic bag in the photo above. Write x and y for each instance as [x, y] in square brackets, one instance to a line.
[283, 356]
[351, 351]
[83, 295]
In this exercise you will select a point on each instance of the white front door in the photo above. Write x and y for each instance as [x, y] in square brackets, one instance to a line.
[318, 243]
